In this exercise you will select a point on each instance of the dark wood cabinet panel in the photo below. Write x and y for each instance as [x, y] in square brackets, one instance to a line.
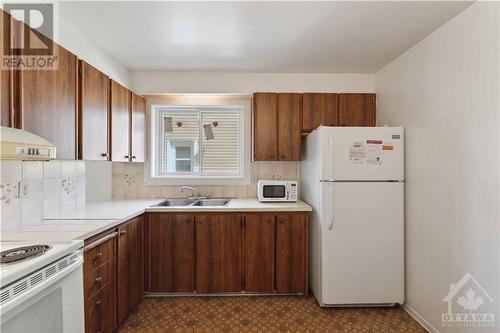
[289, 126]
[92, 113]
[136, 261]
[357, 109]
[171, 252]
[265, 118]
[99, 270]
[291, 253]
[5, 95]
[120, 122]
[5, 80]
[100, 311]
[218, 257]
[130, 266]
[319, 109]
[259, 258]
[48, 103]
[138, 134]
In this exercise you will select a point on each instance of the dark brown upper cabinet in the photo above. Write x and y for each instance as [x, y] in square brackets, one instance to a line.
[265, 124]
[92, 113]
[357, 109]
[48, 103]
[138, 133]
[289, 126]
[277, 123]
[120, 122]
[319, 109]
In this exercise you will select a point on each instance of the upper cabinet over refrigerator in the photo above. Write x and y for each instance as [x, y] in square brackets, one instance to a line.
[362, 153]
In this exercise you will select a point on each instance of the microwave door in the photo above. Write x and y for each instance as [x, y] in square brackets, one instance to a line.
[273, 192]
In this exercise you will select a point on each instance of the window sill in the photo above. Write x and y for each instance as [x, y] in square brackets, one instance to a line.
[194, 180]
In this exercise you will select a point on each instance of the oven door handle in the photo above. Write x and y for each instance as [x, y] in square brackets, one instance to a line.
[33, 291]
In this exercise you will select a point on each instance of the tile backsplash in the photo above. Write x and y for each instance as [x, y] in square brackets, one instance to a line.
[128, 182]
[34, 190]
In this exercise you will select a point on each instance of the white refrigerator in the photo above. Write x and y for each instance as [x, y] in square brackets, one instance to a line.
[353, 177]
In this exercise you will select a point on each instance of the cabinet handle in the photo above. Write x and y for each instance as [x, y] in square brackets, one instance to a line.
[122, 232]
[98, 255]
[104, 154]
[98, 303]
[133, 157]
[98, 279]
[126, 156]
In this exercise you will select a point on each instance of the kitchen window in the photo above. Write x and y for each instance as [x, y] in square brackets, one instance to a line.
[197, 142]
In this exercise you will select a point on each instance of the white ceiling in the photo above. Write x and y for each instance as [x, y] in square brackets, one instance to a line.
[293, 37]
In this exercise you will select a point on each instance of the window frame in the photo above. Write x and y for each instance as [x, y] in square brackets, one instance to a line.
[153, 175]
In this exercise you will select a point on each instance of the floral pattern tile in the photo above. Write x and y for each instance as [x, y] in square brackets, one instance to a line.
[9, 192]
[68, 186]
[129, 179]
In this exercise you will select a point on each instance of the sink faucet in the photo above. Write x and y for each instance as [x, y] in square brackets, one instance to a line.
[184, 188]
[193, 191]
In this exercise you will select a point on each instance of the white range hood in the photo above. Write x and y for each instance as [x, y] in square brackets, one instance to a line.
[16, 144]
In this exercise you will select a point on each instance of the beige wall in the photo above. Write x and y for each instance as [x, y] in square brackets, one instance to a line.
[445, 92]
[128, 181]
[151, 82]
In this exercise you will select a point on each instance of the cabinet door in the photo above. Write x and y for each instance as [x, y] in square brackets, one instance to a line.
[291, 253]
[265, 138]
[289, 126]
[48, 103]
[136, 261]
[218, 259]
[120, 122]
[318, 109]
[5, 97]
[138, 128]
[130, 266]
[259, 259]
[171, 252]
[5, 78]
[123, 277]
[100, 311]
[357, 109]
[92, 113]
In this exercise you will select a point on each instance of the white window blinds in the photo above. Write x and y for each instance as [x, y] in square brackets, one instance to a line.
[200, 141]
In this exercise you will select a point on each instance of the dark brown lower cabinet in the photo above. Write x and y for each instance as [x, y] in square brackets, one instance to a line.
[100, 311]
[130, 266]
[99, 279]
[218, 253]
[259, 256]
[171, 252]
[291, 253]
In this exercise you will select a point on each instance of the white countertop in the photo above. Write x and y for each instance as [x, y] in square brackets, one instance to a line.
[98, 217]
[240, 205]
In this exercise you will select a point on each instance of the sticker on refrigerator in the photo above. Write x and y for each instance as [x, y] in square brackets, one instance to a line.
[373, 152]
[357, 153]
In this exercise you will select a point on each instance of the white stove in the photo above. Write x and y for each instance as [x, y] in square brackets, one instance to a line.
[41, 287]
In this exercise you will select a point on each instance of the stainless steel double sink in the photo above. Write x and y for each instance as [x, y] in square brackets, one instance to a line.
[193, 203]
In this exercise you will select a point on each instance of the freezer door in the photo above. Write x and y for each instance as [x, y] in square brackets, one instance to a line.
[363, 244]
[362, 153]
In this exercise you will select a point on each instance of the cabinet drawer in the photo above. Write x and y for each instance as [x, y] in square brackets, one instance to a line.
[100, 311]
[98, 255]
[98, 278]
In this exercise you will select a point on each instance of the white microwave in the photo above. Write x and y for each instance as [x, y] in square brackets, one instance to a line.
[277, 190]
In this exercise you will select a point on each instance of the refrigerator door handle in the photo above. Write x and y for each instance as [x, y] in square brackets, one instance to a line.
[330, 210]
